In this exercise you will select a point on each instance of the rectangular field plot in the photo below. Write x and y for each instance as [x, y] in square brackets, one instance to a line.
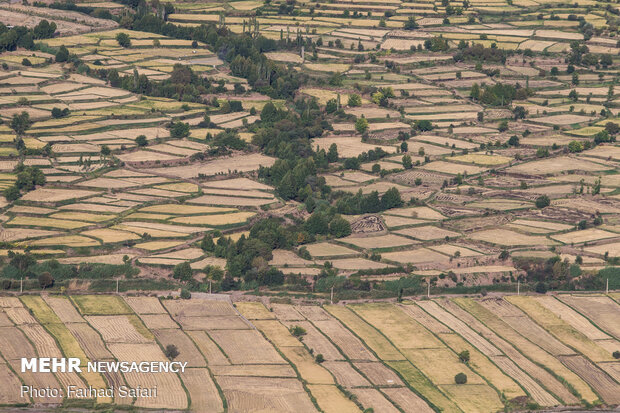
[250, 394]
[246, 347]
[602, 311]
[203, 394]
[100, 305]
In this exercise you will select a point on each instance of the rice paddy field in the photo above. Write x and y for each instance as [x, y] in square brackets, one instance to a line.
[393, 357]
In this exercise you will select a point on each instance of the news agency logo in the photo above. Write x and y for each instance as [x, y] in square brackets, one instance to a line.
[51, 365]
[73, 365]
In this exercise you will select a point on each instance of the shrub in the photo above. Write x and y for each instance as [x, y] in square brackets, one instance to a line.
[616, 354]
[464, 356]
[503, 126]
[460, 378]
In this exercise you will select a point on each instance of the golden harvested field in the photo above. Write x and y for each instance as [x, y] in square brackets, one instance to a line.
[453, 168]
[557, 165]
[215, 219]
[586, 235]
[484, 160]
[385, 348]
[506, 237]
[382, 241]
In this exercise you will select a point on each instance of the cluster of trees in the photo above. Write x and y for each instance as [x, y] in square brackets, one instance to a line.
[244, 53]
[479, 53]
[286, 135]
[48, 272]
[371, 155]
[355, 204]
[20, 36]
[436, 44]
[20, 123]
[92, 11]
[553, 271]
[248, 257]
[229, 139]
[183, 84]
[498, 94]
[325, 221]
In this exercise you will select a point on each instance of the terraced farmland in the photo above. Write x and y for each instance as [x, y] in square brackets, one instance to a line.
[283, 155]
[389, 357]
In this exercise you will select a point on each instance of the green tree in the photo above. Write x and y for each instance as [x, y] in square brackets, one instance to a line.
[464, 356]
[171, 351]
[391, 199]
[460, 378]
[62, 55]
[298, 331]
[596, 189]
[105, 151]
[45, 280]
[612, 128]
[20, 123]
[182, 271]
[575, 146]
[317, 223]
[58, 113]
[411, 24]
[542, 152]
[12, 193]
[474, 92]
[354, 100]
[513, 141]
[423, 125]
[519, 112]
[339, 227]
[573, 95]
[207, 243]
[179, 130]
[407, 163]
[141, 140]
[331, 106]
[21, 261]
[542, 201]
[361, 125]
[123, 39]
[332, 153]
